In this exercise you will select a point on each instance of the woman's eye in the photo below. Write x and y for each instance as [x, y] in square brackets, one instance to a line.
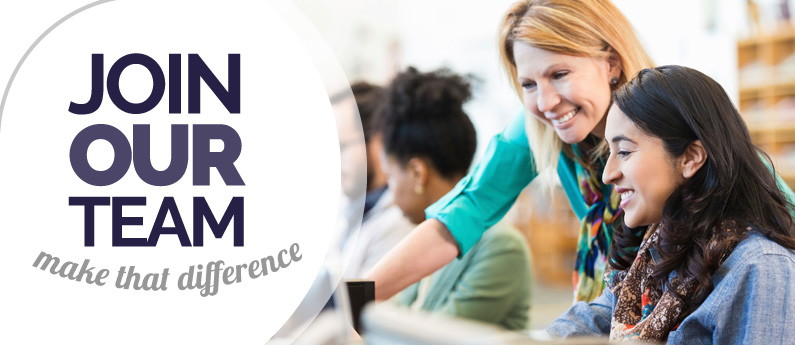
[528, 85]
[623, 154]
[560, 74]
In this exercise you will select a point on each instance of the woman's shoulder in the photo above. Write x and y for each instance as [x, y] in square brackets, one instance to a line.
[502, 239]
[750, 289]
[757, 244]
[757, 249]
[504, 232]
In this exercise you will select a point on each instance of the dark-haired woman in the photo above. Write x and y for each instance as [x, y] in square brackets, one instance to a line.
[428, 143]
[706, 253]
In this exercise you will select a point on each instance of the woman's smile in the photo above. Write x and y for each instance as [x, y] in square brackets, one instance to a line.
[626, 196]
[560, 122]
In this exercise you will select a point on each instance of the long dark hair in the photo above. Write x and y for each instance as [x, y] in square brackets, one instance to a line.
[736, 183]
[423, 116]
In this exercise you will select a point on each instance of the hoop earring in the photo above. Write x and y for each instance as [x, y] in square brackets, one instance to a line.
[614, 81]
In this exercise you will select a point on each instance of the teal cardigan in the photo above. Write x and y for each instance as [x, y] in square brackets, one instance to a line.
[491, 283]
[483, 197]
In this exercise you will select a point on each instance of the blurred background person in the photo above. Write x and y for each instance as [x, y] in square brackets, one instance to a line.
[383, 225]
[429, 142]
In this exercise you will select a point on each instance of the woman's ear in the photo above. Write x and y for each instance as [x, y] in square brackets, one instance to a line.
[418, 170]
[693, 159]
[614, 63]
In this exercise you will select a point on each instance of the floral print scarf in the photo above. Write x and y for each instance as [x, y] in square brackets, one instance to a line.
[644, 311]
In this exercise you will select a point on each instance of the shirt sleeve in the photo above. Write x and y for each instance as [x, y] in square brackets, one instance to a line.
[585, 319]
[483, 197]
[760, 309]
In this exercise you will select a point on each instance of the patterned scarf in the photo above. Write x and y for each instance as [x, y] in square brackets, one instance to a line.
[643, 310]
[595, 230]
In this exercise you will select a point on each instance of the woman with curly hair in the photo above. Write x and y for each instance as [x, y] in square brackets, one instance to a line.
[428, 143]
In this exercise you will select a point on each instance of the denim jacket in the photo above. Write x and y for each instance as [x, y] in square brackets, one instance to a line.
[753, 302]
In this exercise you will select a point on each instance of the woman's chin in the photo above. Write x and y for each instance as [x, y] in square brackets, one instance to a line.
[570, 136]
[631, 222]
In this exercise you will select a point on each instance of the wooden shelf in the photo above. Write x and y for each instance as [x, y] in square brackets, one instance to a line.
[771, 127]
[767, 86]
[786, 86]
[786, 33]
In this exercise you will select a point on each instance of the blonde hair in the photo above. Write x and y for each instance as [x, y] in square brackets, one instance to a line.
[573, 27]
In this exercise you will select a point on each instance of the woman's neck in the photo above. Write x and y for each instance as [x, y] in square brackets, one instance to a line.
[439, 186]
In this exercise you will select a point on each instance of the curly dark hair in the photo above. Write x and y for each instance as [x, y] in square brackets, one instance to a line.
[736, 183]
[423, 116]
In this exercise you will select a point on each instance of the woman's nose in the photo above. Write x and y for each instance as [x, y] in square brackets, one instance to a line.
[547, 98]
[611, 173]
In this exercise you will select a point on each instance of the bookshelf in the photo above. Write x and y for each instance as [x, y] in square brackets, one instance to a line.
[766, 66]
